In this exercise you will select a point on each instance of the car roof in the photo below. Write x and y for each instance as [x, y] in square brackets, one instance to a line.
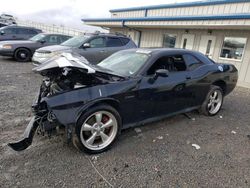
[161, 50]
[106, 35]
[18, 26]
[157, 52]
[55, 34]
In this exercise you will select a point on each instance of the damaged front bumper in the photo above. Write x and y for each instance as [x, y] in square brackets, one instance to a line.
[29, 132]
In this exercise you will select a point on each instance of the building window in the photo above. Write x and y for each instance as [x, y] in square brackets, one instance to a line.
[233, 48]
[169, 41]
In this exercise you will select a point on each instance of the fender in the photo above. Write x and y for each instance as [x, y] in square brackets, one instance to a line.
[94, 102]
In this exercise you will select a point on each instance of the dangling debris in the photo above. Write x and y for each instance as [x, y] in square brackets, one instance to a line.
[196, 146]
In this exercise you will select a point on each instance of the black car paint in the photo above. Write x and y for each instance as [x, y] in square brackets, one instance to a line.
[138, 101]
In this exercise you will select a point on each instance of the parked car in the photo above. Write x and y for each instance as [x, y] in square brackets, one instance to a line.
[7, 18]
[94, 47]
[129, 88]
[14, 32]
[2, 25]
[22, 50]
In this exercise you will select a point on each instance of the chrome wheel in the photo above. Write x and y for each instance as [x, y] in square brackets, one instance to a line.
[99, 130]
[215, 102]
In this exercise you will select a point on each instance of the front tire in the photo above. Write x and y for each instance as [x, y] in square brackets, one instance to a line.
[22, 55]
[213, 102]
[97, 129]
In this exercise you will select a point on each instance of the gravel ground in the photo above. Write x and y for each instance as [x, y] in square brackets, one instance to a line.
[161, 155]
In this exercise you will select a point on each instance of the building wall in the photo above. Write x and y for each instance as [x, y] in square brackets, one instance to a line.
[202, 10]
[154, 38]
[128, 14]
[230, 8]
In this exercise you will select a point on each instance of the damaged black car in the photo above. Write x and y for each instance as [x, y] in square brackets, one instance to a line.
[132, 87]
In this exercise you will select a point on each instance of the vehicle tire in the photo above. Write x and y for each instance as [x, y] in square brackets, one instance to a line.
[213, 102]
[22, 55]
[97, 129]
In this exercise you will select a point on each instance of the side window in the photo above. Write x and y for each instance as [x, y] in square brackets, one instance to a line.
[113, 42]
[32, 32]
[173, 63]
[22, 31]
[125, 40]
[10, 31]
[53, 39]
[97, 42]
[64, 38]
[192, 62]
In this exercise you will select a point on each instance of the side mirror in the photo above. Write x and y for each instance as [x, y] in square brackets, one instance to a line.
[86, 45]
[159, 72]
[42, 41]
[162, 73]
[2, 32]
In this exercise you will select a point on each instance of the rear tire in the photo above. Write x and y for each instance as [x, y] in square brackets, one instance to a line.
[22, 55]
[97, 129]
[213, 102]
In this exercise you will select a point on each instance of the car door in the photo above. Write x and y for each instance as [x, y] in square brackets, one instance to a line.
[197, 72]
[22, 34]
[9, 33]
[113, 44]
[95, 51]
[165, 95]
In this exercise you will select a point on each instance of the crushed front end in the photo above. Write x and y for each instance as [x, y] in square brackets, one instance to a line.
[43, 122]
[69, 81]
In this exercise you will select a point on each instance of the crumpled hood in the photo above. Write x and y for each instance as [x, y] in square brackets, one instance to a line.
[54, 48]
[72, 60]
[66, 60]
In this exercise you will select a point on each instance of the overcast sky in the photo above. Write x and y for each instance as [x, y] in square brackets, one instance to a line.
[70, 12]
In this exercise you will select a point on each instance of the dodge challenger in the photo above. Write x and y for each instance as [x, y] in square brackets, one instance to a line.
[93, 103]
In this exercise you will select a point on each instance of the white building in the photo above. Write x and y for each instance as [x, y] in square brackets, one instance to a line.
[217, 28]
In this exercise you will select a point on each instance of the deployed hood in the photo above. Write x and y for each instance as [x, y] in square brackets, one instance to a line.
[72, 60]
[54, 48]
[66, 60]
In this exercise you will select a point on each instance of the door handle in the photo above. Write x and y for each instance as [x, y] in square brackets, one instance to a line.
[102, 51]
[188, 77]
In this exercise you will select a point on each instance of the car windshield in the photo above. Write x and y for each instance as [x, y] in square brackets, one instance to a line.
[75, 41]
[125, 63]
[38, 37]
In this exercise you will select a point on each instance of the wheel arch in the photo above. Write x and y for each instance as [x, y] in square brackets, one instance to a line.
[18, 48]
[108, 101]
[222, 84]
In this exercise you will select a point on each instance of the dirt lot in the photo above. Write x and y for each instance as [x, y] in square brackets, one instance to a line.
[160, 156]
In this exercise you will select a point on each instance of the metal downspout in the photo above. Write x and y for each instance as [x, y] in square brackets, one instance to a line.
[139, 31]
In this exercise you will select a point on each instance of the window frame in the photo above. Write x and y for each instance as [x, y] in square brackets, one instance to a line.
[118, 38]
[11, 28]
[168, 35]
[188, 68]
[105, 41]
[230, 59]
[171, 72]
